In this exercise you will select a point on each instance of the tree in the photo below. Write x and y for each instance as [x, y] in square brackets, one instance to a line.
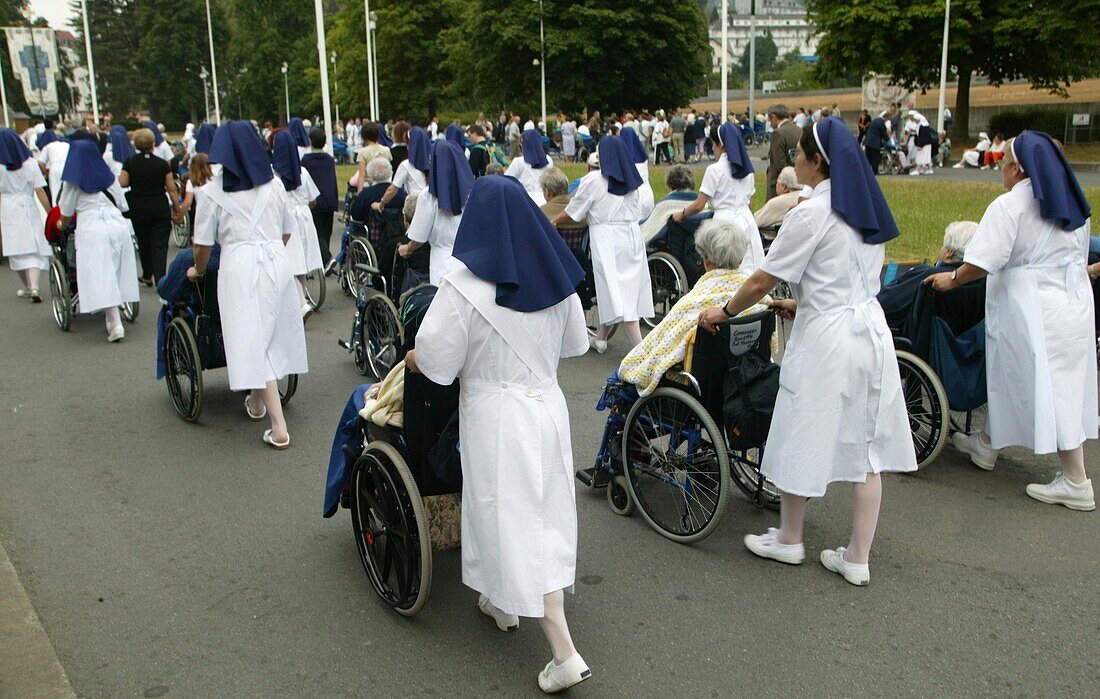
[264, 34]
[11, 15]
[767, 53]
[1044, 43]
[114, 35]
[601, 54]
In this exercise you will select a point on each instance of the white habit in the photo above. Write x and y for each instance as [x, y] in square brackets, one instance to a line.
[840, 413]
[53, 158]
[529, 177]
[646, 200]
[1040, 340]
[303, 252]
[623, 291]
[519, 512]
[409, 178]
[732, 201]
[261, 318]
[22, 224]
[106, 269]
[436, 228]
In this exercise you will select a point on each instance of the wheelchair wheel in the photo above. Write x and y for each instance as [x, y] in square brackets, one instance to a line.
[287, 387]
[745, 469]
[668, 281]
[391, 529]
[380, 333]
[60, 297]
[675, 463]
[592, 320]
[618, 497]
[183, 372]
[926, 403]
[181, 232]
[360, 252]
[129, 311]
[315, 288]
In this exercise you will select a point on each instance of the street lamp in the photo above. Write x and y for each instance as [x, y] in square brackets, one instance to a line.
[205, 91]
[373, 26]
[541, 62]
[368, 21]
[240, 74]
[943, 64]
[335, 87]
[213, 65]
[286, 91]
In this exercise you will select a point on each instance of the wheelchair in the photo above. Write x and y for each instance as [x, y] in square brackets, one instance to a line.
[672, 454]
[191, 342]
[941, 361]
[674, 264]
[64, 296]
[576, 239]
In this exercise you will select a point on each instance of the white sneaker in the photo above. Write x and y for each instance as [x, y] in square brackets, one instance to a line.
[766, 546]
[599, 345]
[505, 622]
[984, 167]
[855, 573]
[1061, 491]
[914, 172]
[307, 311]
[555, 678]
[980, 455]
[23, 293]
[957, 166]
[116, 333]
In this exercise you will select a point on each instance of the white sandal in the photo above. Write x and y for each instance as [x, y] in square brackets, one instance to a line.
[248, 409]
[269, 439]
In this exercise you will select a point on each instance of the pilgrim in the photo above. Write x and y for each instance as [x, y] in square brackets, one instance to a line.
[848, 423]
[21, 218]
[52, 152]
[1040, 342]
[205, 138]
[641, 161]
[439, 210]
[412, 174]
[119, 149]
[245, 210]
[728, 186]
[106, 270]
[161, 148]
[609, 198]
[500, 322]
[303, 251]
[528, 168]
[297, 129]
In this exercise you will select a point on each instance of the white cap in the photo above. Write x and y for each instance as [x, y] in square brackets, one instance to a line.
[594, 160]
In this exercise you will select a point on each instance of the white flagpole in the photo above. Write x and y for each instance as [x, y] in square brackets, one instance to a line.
[4, 97]
[213, 67]
[91, 64]
[322, 55]
[725, 58]
[374, 61]
[370, 62]
[943, 64]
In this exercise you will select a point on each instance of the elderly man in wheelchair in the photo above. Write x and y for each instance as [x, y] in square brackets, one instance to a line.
[687, 411]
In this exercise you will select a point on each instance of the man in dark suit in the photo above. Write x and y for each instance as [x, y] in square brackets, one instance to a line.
[874, 141]
[784, 138]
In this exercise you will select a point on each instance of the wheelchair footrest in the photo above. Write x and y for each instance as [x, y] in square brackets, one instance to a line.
[594, 477]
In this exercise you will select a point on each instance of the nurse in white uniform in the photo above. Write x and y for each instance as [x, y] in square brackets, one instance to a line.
[529, 168]
[500, 322]
[412, 174]
[609, 198]
[1040, 340]
[728, 186]
[297, 129]
[641, 161]
[303, 252]
[52, 152]
[119, 149]
[246, 210]
[21, 219]
[188, 140]
[106, 269]
[161, 148]
[840, 414]
[439, 210]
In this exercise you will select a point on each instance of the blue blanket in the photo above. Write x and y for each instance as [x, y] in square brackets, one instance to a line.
[174, 287]
[347, 435]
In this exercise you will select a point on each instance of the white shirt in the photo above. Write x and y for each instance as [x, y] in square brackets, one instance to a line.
[592, 200]
[437, 228]
[724, 191]
[529, 177]
[659, 131]
[799, 120]
[409, 178]
[529, 125]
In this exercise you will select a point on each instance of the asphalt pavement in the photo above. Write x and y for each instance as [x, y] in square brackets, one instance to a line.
[171, 559]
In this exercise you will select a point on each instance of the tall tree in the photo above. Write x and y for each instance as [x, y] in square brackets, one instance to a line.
[265, 33]
[1044, 43]
[602, 54]
[767, 53]
[114, 35]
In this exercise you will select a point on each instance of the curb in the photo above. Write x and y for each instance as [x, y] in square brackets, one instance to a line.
[29, 668]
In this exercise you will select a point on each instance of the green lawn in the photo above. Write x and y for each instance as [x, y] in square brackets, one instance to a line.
[922, 208]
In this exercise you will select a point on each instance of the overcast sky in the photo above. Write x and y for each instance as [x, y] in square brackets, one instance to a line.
[56, 11]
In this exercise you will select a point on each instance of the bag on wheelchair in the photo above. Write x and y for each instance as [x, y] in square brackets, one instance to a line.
[750, 388]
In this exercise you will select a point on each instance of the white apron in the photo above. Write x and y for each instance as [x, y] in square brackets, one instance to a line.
[1040, 353]
[623, 289]
[300, 254]
[261, 319]
[106, 268]
[519, 519]
[754, 251]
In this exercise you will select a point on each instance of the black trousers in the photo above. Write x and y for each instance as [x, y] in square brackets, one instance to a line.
[874, 155]
[662, 151]
[152, 237]
[322, 221]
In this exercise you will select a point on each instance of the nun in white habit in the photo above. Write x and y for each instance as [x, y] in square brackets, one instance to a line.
[106, 269]
[728, 186]
[641, 161]
[529, 168]
[500, 323]
[52, 152]
[1040, 343]
[246, 210]
[609, 198]
[847, 422]
[303, 251]
[21, 219]
[161, 148]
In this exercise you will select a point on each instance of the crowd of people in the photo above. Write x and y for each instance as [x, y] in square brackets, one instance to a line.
[493, 206]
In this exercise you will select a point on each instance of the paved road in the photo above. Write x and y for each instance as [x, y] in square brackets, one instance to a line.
[190, 560]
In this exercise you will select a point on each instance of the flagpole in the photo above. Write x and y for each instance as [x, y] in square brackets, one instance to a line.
[213, 66]
[725, 58]
[91, 65]
[943, 64]
[322, 55]
[370, 62]
[4, 97]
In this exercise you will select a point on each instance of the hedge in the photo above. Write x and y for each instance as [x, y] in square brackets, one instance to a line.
[1012, 122]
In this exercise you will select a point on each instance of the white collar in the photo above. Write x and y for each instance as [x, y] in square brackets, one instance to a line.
[823, 187]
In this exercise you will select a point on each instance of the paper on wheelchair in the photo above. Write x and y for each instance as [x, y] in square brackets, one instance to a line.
[385, 402]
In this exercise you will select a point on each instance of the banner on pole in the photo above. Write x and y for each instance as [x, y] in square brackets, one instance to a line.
[33, 54]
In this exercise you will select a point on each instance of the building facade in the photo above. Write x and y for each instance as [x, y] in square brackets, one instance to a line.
[785, 20]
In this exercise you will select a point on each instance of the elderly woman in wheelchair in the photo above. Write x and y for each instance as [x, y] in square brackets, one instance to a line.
[662, 448]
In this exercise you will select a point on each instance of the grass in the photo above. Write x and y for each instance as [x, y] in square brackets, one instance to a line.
[922, 209]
